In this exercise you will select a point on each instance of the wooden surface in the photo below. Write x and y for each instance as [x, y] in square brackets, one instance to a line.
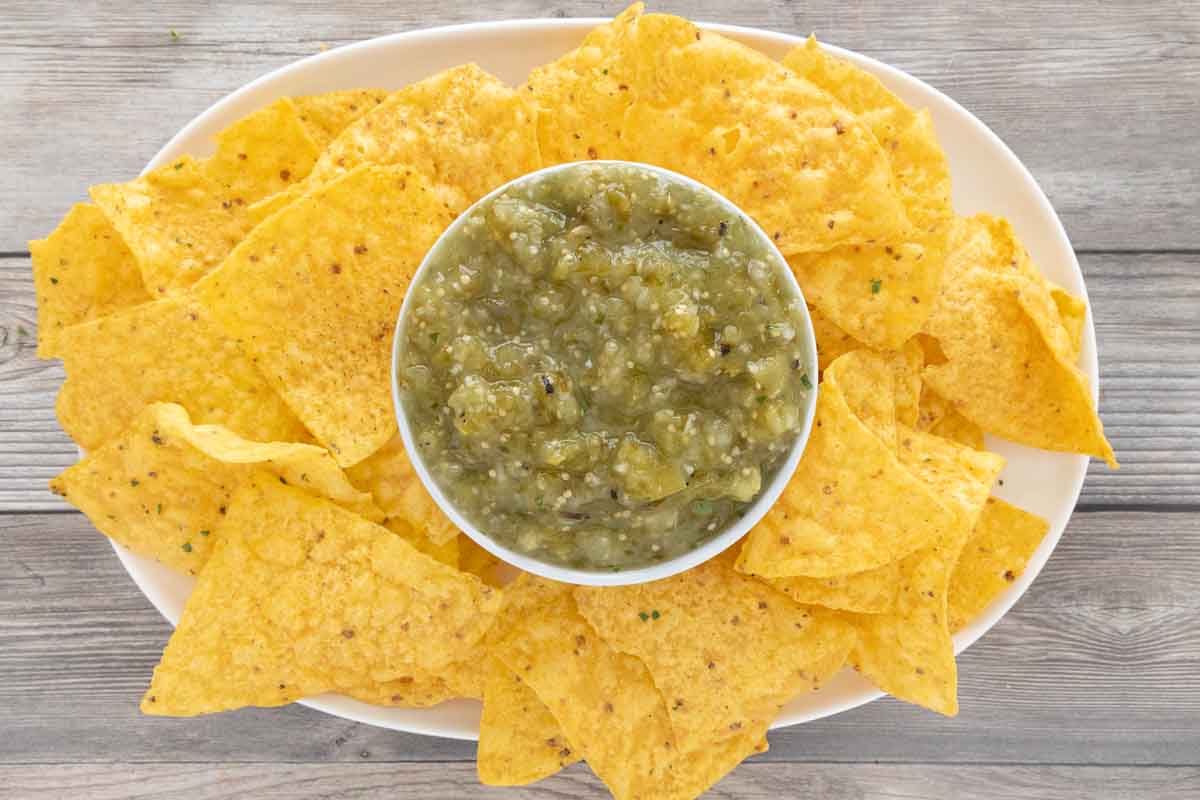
[1090, 687]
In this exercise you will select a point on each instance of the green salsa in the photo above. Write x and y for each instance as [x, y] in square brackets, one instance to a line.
[602, 366]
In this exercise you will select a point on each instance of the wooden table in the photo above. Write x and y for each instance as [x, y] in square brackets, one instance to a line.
[1090, 687]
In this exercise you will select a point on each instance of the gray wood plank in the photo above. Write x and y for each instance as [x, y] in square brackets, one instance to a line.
[1098, 664]
[1148, 323]
[754, 781]
[1100, 100]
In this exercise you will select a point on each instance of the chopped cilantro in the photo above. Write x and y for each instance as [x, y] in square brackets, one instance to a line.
[654, 614]
[876, 284]
[762, 398]
[134, 482]
[187, 547]
[204, 533]
[433, 337]
[160, 508]
[643, 615]
[21, 331]
[174, 35]
[805, 382]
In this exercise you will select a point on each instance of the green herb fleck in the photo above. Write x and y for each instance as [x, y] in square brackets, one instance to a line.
[54, 281]
[583, 406]
[204, 533]
[21, 331]
[178, 165]
[654, 614]
[876, 284]
[174, 35]
[134, 482]
[160, 508]
[540, 502]
[762, 398]
[702, 507]
[187, 547]
[643, 615]
[433, 337]
[805, 382]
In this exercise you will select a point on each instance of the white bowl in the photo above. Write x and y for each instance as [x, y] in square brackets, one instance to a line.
[987, 177]
[712, 547]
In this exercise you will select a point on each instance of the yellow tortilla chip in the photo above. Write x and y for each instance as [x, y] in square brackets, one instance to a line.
[657, 89]
[1004, 539]
[313, 293]
[178, 222]
[605, 701]
[163, 485]
[726, 651]
[881, 293]
[870, 592]
[390, 477]
[263, 153]
[483, 565]
[165, 351]
[462, 129]
[417, 687]
[850, 507]
[1072, 312]
[867, 382]
[937, 416]
[520, 742]
[909, 652]
[906, 368]
[81, 271]
[832, 341]
[327, 115]
[301, 597]
[1009, 367]
[446, 552]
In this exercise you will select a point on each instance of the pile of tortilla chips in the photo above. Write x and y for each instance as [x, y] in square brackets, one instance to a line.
[225, 324]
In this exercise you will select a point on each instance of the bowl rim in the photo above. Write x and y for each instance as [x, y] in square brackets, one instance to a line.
[709, 548]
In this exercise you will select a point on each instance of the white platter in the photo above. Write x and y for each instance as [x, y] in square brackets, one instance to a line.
[987, 177]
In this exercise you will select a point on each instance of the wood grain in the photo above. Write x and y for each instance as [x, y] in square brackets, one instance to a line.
[1101, 101]
[1147, 310]
[457, 782]
[1099, 663]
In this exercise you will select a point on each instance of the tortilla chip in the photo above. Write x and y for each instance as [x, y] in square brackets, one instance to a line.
[832, 341]
[313, 293]
[1004, 539]
[81, 271]
[870, 592]
[302, 597]
[263, 153]
[657, 89]
[390, 477]
[850, 506]
[867, 382]
[882, 293]
[605, 701]
[1072, 312]
[906, 367]
[327, 115]
[461, 129]
[446, 552]
[937, 416]
[178, 222]
[165, 351]
[417, 687]
[909, 652]
[161, 487]
[475, 560]
[520, 742]
[1010, 367]
[726, 651]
